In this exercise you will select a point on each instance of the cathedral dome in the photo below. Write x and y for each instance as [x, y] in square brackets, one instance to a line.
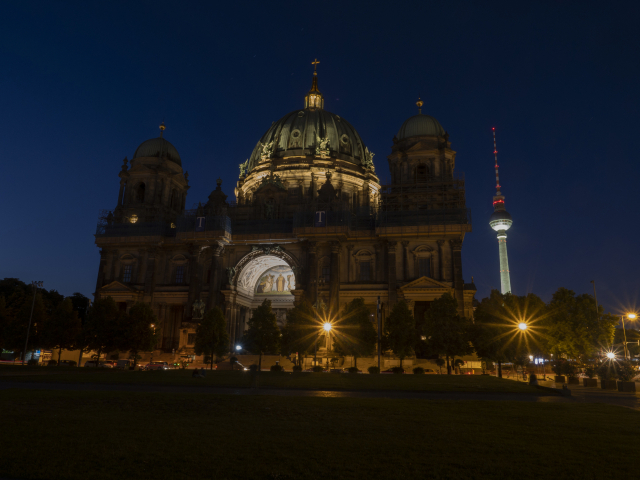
[420, 125]
[311, 131]
[158, 147]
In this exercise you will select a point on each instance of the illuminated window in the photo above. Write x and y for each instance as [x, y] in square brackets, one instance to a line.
[126, 273]
[365, 271]
[133, 218]
[173, 225]
[180, 275]
[423, 267]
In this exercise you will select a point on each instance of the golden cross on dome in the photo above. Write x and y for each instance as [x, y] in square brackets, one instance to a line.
[315, 64]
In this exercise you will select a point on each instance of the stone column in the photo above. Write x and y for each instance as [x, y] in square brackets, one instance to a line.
[334, 282]
[112, 266]
[456, 250]
[442, 277]
[194, 277]
[378, 275]
[141, 269]
[214, 279]
[405, 261]
[150, 274]
[101, 270]
[122, 184]
[349, 262]
[393, 293]
[312, 262]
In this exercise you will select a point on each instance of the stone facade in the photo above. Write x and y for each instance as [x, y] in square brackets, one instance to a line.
[310, 219]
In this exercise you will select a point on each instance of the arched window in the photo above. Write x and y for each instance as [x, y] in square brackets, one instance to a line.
[140, 193]
[421, 173]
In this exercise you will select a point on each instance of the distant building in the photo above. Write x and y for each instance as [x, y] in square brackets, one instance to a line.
[310, 219]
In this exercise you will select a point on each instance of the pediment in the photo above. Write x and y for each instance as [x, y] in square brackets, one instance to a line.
[425, 283]
[117, 286]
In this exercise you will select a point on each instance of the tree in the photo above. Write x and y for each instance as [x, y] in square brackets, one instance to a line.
[440, 363]
[139, 333]
[496, 335]
[212, 338]
[354, 332]
[300, 331]
[101, 331]
[574, 329]
[4, 322]
[447, 333]
[400, 331]
[263, 334]
[62, 330]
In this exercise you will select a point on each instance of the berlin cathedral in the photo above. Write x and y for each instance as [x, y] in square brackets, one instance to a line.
[310, 219]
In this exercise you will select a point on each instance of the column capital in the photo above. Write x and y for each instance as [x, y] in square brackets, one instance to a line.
[456, 244]
[405, 243]
[391, 245]
[350, 246]
[311, 246]
[440, 242]
[335, 247]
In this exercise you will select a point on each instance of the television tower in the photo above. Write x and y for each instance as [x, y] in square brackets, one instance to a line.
[501, 221]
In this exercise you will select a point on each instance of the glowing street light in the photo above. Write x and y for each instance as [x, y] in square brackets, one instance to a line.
[522, 326]
[238, 348]
[327, 327]
[611, 355]
[630, 316]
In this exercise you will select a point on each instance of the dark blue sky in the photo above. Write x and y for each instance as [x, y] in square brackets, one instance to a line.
[82, 85]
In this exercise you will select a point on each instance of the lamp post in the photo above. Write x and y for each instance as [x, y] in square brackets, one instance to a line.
[35, 286]
[631, 316]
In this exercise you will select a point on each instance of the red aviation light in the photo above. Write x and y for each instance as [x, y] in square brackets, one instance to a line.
[498, 201]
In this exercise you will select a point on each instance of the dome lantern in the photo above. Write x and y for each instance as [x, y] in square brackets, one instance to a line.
[314, 98]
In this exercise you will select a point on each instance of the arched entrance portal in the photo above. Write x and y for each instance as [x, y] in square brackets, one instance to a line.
[265, 273]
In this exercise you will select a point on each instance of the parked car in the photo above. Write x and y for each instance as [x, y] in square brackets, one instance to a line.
[156, 366]
[123, 364]
[68, 363]
[430, 371]
[337, 370]
[104, 364]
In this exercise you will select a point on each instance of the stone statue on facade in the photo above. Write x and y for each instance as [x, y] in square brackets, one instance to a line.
[243, 168]
[323, 146]
[198, 309]
[267, 150]
[367, 161]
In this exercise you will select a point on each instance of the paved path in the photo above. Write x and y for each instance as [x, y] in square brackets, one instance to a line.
[281, 392]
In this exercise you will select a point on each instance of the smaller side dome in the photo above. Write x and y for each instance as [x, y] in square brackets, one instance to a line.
[158, 147]
[420, 125]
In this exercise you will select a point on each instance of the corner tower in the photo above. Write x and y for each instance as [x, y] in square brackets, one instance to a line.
[501, 221]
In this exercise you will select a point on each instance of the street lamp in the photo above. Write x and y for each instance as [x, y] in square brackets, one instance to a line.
[630, 316]
[522, 326]
[35, 286]
[611, 355]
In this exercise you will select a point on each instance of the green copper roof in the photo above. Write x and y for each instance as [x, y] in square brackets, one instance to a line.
[420, 125]
[158, 147]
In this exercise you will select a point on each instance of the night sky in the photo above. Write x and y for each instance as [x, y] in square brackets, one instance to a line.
[82, 85]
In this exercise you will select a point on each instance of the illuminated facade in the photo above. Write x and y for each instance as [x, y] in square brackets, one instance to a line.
[310, 219]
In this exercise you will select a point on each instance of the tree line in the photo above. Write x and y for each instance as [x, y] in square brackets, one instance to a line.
[569, 326]
[71, 323]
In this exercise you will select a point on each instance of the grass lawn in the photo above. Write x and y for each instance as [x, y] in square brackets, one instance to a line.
[315, 381]
[97, 435]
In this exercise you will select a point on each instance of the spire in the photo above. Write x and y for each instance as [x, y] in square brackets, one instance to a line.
[419, 103]
[162, 128]
[495, 154]
[314, 98]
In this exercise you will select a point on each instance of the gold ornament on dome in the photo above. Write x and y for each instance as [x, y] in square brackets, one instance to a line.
[133, 218]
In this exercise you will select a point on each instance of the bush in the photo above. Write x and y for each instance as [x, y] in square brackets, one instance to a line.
[253, 368]
[318, 369]
[397, 370]
[590, 371]
[605, 371]
[353, 370]
[626, 370]
[418, 371]
[32, 361]
[52, 363]
[297, 368]
[276, 368]
[373, 370]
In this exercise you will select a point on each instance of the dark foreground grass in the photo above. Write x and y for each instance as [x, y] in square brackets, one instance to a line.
[96, 435]
[309, 381]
